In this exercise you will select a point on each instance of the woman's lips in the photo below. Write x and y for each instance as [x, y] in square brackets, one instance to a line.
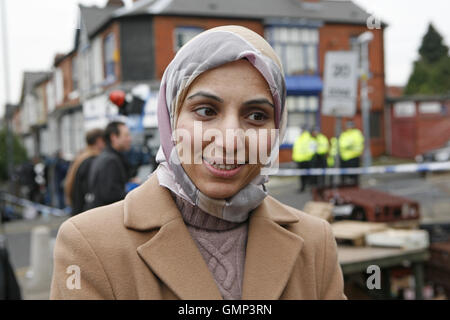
[223, 171]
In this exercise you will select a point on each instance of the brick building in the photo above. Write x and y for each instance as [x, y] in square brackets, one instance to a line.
[120, 47]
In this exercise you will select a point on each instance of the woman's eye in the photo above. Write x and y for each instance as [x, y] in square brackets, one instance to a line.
[257, 116]
[205, 112]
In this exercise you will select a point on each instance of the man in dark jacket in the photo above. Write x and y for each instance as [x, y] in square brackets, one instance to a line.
[76, 183]
[108, 174]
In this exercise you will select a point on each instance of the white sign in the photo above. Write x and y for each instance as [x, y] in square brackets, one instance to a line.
[340, 84]
[430, 107]
[405, 109]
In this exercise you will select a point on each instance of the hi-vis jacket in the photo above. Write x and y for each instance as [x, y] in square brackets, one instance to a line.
[351, 144]
[305, 148]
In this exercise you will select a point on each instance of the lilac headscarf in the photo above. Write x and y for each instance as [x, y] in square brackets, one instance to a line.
[206, 51]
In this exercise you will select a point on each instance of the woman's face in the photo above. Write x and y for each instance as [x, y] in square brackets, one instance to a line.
[233, 98]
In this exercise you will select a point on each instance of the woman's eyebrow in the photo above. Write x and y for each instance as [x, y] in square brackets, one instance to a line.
[205, 95]
[259, 101]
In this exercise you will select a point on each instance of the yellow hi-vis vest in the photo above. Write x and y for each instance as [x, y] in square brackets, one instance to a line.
[332, 153]
[304, 148]
[322, 144]
[351, 144]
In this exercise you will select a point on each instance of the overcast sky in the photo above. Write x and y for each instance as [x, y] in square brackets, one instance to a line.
[38, 29]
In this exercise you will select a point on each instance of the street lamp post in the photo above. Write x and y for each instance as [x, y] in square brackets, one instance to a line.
[364, 40]
[8, 108]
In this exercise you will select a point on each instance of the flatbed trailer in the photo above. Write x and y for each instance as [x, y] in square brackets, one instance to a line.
[370, 205]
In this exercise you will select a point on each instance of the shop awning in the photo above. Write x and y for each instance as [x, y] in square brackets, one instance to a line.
[303, 85]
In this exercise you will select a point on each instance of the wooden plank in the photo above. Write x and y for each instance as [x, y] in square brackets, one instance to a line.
[355, 231]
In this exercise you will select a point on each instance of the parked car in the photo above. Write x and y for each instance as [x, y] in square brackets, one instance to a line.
[439, 155]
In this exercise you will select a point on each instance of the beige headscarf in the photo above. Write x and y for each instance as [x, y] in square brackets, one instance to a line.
[206, 51]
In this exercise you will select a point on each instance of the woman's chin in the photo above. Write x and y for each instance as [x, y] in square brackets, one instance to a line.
[219, 190]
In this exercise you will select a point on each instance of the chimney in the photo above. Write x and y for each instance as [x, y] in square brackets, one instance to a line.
[115, 3]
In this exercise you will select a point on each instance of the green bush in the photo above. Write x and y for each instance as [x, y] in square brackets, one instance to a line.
[19, 153]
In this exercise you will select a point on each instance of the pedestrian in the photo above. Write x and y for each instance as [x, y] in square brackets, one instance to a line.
[205, 230]
[331, 158]
[61, 168]
[109, 172]
[303, 153]
[76, 183]
[320, 158]
[351, 147]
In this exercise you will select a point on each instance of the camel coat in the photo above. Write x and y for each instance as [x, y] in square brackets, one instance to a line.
[140, 248]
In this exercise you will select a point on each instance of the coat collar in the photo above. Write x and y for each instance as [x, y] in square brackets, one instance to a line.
[173, 255]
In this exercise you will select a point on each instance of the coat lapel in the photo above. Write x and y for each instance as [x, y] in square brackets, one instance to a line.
[271, 252]
[173, 256]
[171, 253]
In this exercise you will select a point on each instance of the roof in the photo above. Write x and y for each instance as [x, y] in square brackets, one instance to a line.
[94, 17]
[31, 79]
[329, 11]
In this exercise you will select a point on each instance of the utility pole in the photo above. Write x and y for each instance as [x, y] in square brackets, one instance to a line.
[364, 40]
[8, 111]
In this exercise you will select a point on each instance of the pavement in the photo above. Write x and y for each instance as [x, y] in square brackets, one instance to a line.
[431, 190]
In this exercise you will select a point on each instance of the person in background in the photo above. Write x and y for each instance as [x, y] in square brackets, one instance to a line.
[351, 147]
[320, 158]
[109, 172]
[61, 168]
[76, 183]
[303, 153]
[331, 158]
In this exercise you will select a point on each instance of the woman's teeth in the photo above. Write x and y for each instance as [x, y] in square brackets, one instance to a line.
[223, 166]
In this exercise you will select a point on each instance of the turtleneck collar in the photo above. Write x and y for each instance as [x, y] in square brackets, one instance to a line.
[196, 217]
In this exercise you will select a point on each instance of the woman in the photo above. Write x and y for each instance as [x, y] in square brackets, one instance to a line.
[203, 226]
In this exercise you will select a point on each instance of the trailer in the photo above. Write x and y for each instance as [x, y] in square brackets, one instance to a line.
[369, 205]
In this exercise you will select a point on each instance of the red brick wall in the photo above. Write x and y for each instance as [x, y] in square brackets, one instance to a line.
[412, 136]
[337, 37]
[66, 68]
[164, 34]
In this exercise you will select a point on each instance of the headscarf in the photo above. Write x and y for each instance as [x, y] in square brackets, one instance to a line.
[206, 51]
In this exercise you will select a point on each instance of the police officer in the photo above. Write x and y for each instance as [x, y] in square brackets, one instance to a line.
[331, 157]
[320, 158]
[351, 147]
[303, 153]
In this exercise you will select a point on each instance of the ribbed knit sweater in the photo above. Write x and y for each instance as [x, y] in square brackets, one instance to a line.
[222, 245]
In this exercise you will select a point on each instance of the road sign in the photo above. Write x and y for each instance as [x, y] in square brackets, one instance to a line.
[340, 84]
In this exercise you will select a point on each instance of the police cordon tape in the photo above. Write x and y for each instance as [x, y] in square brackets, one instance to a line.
[45, 210]
[400, 168]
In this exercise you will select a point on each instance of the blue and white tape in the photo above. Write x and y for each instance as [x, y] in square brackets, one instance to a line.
[401, 168]
[46, 210]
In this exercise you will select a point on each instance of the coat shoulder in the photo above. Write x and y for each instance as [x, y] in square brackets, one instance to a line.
[100, 222]
[309, 227]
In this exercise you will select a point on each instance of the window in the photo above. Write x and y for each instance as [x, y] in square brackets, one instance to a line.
[355, 46]
[297, 48]
[183, 34]
[109, 56]
[375, 124]
[302, 110]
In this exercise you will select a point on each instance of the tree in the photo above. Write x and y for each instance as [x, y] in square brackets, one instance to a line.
[431, 73]
[432, 48]
[19, 154]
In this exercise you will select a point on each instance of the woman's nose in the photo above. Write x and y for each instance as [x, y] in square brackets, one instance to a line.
[233, 137]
